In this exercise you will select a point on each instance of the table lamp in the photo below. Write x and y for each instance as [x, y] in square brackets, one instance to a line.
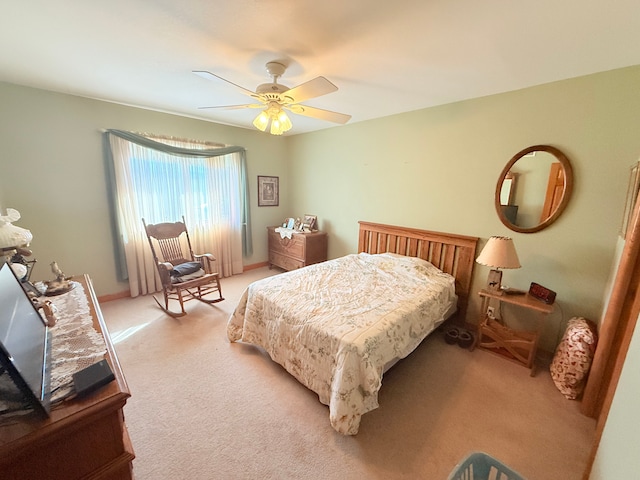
[499, 252]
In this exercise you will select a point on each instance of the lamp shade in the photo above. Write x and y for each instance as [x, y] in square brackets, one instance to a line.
[499, 252]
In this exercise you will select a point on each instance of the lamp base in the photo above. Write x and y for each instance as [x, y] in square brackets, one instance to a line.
[494, 280]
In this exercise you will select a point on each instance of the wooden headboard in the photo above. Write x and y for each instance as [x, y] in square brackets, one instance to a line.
[453, 254]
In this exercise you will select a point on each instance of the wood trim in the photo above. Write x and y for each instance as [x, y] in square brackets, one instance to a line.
[101, 326]
[451, 253]
[614, 322]
[114, 296]
[555, 189]
[615, 335]
[613, 384]
[253, 266]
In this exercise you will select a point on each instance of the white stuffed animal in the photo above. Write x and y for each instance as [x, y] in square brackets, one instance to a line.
[12, 236]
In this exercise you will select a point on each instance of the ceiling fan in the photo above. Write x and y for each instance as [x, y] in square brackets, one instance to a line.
[275, 98]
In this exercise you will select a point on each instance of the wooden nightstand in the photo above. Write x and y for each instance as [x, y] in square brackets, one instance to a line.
[517, 345]
[300, 250]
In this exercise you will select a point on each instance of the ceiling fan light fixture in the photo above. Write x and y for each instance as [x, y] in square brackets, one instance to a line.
[275, 96]
[280, 122]
[261, 121]
[283, 118]
[275, 128]
[278, 118]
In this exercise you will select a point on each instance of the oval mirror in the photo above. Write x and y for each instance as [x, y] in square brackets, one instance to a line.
[534, 188]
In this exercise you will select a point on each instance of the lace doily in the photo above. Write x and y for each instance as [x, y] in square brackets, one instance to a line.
[75, 344]
[285, 232]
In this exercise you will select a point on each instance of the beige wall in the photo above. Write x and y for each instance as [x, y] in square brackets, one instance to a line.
[437, 169]
[52, 172]
[434, 168]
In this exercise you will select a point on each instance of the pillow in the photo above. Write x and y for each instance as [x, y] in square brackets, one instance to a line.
[189, 276]
[185, 268]
[573, 357]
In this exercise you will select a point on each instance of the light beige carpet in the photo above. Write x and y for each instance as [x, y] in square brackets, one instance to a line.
[202, 408]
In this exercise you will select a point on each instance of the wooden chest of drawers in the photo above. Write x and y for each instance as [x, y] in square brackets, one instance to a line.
[84, 438]
[300, 250]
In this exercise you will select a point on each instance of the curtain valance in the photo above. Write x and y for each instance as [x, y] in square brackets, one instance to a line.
[177, 151]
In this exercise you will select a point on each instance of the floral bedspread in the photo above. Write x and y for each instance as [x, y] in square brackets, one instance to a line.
[336, 325]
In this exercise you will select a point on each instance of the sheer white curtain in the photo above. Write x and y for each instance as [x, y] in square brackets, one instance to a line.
[162, 187]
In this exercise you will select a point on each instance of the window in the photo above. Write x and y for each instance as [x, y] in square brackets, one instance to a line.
[162, 180]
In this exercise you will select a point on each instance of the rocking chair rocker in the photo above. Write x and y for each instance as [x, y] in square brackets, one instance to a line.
[184, 275]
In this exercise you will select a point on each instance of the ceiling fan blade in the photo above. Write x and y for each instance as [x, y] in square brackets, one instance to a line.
[212, 76]
[313, 112]
[235, 107]
[311, 89]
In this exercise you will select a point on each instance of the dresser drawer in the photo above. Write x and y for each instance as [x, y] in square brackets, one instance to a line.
[287, 246]
[300, 250]
[282, 261]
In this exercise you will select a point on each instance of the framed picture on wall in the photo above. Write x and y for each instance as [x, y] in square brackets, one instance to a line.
[268, 192]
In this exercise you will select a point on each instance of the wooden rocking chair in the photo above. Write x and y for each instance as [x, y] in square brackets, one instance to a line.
[184, 275]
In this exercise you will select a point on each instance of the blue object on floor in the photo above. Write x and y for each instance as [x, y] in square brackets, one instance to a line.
[480, 466]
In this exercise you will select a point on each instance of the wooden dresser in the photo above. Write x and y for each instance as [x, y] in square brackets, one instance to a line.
[85, 438]
[300, 250]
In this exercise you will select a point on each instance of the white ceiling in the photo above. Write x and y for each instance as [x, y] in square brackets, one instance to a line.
[385, 57]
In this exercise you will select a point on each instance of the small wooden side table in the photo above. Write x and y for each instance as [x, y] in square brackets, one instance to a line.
[517, 345]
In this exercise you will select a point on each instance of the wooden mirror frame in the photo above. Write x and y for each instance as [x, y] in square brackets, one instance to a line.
[566, 194]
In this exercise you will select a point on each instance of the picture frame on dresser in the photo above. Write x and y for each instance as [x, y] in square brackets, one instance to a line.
[268, 191]
[309, 222]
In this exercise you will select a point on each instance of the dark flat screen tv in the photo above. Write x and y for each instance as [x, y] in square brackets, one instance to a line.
[25, 343]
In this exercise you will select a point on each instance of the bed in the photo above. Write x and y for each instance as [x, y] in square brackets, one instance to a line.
[338, 326]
